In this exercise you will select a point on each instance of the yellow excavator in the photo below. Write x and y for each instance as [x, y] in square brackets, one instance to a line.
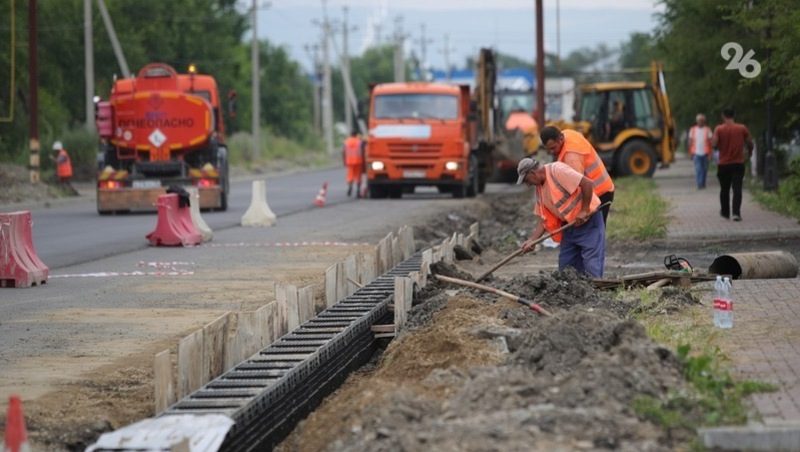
[629, 123]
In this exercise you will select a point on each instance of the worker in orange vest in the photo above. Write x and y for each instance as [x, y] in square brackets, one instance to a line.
[572, 148]
[353, 159]
[63, 164]
[564, 195]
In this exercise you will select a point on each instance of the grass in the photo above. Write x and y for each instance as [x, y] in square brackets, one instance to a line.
[786, 200]
[274, 148]
[712, 396]
[638, 212]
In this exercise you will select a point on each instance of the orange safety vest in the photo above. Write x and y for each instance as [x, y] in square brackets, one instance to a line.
[63, 165]
[593, 166]
[693, 134]
[568, 205]
[352, 151]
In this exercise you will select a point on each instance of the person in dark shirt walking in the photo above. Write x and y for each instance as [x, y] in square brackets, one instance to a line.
[731, 138]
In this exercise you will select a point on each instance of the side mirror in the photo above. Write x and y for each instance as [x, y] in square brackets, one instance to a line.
[232, 104]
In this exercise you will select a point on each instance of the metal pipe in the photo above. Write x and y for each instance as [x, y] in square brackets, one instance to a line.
[757, 265]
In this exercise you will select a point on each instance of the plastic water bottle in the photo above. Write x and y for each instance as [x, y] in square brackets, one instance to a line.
[723, 303]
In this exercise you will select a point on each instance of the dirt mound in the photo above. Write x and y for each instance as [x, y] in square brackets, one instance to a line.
[445, 225]
[562, 289]
[568, 384]
[510, 222]
[17, 187]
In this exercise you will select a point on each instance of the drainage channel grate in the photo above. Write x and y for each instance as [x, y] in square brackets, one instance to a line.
[267, 394]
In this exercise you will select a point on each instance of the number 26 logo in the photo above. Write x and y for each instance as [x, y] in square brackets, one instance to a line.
[746, 65]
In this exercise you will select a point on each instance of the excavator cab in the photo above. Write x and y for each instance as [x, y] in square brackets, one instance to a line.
[629, 123]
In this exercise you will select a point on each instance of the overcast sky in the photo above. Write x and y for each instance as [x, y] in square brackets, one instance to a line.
[507, 25]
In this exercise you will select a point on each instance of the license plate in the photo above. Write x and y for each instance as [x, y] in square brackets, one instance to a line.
[414, 174]
[146, 184]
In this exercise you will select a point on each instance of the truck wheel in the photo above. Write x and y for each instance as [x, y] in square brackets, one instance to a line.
[473, 177]
[377, 192]
[636, 158]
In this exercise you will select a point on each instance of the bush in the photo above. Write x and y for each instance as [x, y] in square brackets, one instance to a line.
[82, 147]
[274, 147]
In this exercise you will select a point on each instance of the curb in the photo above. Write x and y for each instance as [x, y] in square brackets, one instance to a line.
[778, 437]
[748, 235]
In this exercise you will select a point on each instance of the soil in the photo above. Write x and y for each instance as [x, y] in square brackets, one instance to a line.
[473, 371]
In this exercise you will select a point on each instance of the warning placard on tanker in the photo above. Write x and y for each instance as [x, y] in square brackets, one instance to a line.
[161, 120]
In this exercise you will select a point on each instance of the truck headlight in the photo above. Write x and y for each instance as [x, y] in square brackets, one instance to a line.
[451, 166]
[377, 166]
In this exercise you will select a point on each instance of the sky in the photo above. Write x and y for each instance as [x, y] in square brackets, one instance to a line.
[468, 25]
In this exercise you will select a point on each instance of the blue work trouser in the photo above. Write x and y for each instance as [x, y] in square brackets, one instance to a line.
[584, 247]
[700, 170]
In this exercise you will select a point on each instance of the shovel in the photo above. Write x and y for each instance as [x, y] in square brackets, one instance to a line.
[537, 241]
[533, 306]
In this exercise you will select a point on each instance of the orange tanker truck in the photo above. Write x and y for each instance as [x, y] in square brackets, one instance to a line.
[159, 129]
[425, 134]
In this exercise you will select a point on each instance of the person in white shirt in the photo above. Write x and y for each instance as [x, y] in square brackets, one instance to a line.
[700, 149]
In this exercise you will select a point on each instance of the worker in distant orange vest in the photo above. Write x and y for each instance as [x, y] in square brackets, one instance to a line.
[522, 120]
[700, 149]
[572, 148]
[353, 159]
[63, 163]
[564, 195]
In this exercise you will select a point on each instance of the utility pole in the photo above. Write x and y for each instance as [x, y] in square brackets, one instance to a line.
[123, 63]
[399, 56]
[313, 54]
[348, 111]
[88, 49]
[423, 46]
[327, 94]
[558, 36]
[254, 50]
[539, 64]
[446, 52]
[33, 87]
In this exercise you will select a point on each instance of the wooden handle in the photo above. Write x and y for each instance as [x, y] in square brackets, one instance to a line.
[535, 242]
[461, 282]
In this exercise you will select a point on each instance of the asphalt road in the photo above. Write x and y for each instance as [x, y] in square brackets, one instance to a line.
[74, 233]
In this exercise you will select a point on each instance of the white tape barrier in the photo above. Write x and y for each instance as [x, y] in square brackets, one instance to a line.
[259, 213]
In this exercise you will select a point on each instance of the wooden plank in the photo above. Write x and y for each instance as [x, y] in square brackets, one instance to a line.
[424, 273]
[232, 343]
[412, 245]
[292, 305]
[163, 381]
[416, 278]
[474, 229]
[306, 303]
[397, 253]
[330, 286]
[383, 335]
[248, 335]
[350, 272]
[368, 266]
[281, 309]
[402, 238]
[382, 328]
[385, 248]
[264, 320]
[341, 282]
[427, 256]
[403, 293]
[214, 335]
[278, 320]
[190, 363]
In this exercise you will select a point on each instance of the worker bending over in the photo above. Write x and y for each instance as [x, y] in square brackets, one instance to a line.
[572, 148]
[564, 195]
[353, 158]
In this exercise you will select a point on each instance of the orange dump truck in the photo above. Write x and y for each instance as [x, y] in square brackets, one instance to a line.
[159, 129]
[425, 134]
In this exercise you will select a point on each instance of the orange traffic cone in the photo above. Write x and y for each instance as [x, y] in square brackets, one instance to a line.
[16, 436]
[319, 201]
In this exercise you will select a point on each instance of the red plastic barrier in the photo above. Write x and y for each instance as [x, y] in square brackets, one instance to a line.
[174, 226]
[20, 266]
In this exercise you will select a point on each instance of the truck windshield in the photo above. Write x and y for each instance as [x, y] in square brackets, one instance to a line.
[423, 106]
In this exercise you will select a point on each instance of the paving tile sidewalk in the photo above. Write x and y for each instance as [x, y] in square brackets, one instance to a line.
[695, 213]
[764, 343]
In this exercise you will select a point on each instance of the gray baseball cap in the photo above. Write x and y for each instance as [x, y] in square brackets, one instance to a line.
[525, 166]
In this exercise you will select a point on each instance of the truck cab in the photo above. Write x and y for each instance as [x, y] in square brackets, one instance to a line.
[421, 134]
